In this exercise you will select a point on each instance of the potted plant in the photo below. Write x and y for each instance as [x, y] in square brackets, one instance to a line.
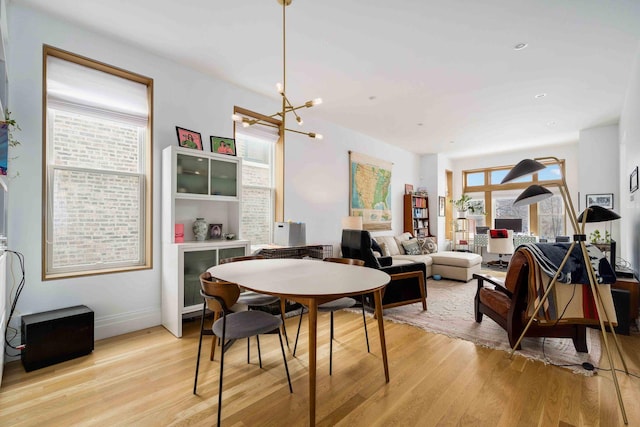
[596, 237]
[463, 204]
[10, 125]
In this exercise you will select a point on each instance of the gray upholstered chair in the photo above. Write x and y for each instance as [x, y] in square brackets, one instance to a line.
[254, 299]
[335, 305]
[218, 297]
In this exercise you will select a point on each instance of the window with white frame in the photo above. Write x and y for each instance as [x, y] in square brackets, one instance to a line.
[98, 167]
[256, 146]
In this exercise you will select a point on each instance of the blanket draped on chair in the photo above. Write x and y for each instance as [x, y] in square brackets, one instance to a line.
[571, 300]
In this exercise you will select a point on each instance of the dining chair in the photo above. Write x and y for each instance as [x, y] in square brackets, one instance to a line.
[335, 305]
[218, 296]
[255, 299]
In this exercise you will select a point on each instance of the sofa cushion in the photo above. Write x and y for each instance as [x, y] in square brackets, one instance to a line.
[456, 259]
[391, 244]
[385, 249]
[413, 258]
[411, 247]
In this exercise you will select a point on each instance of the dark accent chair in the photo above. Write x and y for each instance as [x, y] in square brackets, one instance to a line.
[408, 281]
[506, 303]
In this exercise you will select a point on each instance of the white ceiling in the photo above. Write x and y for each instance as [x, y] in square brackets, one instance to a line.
[444, 74]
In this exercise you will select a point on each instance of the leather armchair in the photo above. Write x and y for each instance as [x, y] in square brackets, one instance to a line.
[408, 281]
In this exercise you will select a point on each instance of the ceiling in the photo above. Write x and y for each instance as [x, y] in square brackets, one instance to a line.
[429, 76]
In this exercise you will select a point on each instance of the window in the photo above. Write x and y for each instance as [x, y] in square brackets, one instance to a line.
[259, 146]
[545, 219]
[98, 167]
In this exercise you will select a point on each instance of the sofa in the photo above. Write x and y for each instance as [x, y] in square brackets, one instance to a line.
[408, 280]
[405, 249]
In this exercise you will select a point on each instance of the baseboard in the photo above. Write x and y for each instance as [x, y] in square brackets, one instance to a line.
[116, 324]
[122, 323]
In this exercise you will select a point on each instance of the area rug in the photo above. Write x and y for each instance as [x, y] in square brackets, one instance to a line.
[450, 312]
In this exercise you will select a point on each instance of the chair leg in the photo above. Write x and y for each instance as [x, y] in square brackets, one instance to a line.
[214, 340]
[331, 347]
[224, 330]
[259, 356]
[195, 381]
[295, 346]
[364, 320]
[284, 358]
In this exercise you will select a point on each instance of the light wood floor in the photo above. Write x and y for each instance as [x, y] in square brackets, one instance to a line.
[145, 378]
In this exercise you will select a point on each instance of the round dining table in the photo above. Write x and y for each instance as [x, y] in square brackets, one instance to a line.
[309, 282]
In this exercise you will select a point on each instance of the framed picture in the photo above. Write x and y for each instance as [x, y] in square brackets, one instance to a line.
[604, 200]
[408, 189]
[188, 138]
[215, 231]
[633, 180]
[222, 145]
[441, 205]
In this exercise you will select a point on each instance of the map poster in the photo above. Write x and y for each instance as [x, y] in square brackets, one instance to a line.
[370, 191]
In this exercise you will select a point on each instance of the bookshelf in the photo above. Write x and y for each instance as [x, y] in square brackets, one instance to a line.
[416, 215]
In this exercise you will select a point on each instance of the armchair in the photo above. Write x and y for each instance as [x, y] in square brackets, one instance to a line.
[408, 281]
[507, 304]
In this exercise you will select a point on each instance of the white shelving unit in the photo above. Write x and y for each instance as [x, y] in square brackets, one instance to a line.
[195, 184]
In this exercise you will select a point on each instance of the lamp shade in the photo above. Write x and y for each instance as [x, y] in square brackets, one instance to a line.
[598, 214]
[524, 168]
[352, 223]
[533, 194]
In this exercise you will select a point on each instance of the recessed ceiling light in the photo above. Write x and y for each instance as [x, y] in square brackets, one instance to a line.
[420, 124]
[540, 95]
[451, 142]
[372, 97]
[552, 124]
[520, 46]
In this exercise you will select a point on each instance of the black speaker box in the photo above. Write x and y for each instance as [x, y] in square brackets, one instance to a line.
[55, 336]
[621, 303]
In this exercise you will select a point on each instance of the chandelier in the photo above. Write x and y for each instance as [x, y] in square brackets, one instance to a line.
[287, 106]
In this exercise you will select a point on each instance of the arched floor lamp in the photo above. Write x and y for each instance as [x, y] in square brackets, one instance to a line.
[536, 193]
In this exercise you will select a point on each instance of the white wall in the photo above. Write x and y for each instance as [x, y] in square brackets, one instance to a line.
[630, 159]
[316, 189]
[598, 158]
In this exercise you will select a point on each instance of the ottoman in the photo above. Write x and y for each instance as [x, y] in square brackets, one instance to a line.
[455, 265]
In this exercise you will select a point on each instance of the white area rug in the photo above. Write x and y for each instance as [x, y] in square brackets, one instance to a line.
[450, 312]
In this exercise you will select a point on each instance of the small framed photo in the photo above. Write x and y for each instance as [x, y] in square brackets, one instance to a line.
[633, 180]
[604, 200]
[188, 138]
[440, 205]
[222, 145]
[215, 231]
[408, 189]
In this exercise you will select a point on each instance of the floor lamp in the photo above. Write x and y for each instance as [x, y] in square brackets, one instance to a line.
[537, 193]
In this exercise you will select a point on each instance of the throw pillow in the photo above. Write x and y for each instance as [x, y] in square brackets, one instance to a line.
[384, 249]
[411, 247]
[401, 238]
[428, 245]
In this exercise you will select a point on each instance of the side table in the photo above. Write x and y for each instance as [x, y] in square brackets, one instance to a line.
[631, 285]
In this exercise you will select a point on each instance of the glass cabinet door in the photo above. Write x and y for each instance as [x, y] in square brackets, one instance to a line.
[196, 263]
[230, 252]
[224, 178]
[192, 174]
